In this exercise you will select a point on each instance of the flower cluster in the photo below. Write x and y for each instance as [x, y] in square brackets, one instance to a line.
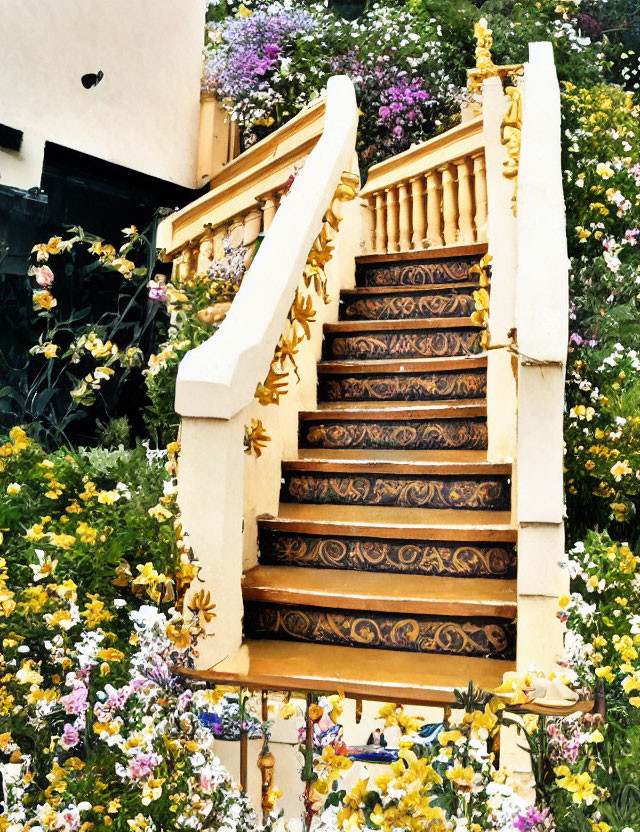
[267, 64]
[96, 730]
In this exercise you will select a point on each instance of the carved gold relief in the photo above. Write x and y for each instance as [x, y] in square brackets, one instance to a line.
[485, 67]
[255, 438]
[510, 135]
[481, 297]
[303, 313]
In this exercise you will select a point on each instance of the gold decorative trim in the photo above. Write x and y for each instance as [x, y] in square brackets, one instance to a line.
[481, 297]
[302, 313]
[485, 67]
[510, 136]
[255, 438]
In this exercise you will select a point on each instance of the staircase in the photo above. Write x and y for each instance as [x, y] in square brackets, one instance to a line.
[392, 544]
[386, 566]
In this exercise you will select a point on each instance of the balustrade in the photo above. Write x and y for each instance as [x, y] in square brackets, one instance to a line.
[434, 194]
[244, 197]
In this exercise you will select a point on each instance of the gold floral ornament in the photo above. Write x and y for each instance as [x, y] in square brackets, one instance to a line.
[202, 607]
[302, 313]
[255, 438]
[485, 67]
[510, 136]
[480, 316]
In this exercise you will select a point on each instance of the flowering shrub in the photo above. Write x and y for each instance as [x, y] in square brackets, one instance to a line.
[96, 731]
[266, 64]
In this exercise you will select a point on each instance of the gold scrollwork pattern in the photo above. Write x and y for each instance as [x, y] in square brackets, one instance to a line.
[408, 557]
[406, 492]
[388, 631]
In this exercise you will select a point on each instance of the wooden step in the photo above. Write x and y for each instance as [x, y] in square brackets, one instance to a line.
[407, 365]
[420, 594]
[475, 491]
[396, 523]
[408, 427]
[383, 675]
[428, 289]
[379, 303]
[394, 411]
[411, 380]
[338, 549]
[397, 463]
[347, 327]
[367, 340]
[485, 636]
[443, 253]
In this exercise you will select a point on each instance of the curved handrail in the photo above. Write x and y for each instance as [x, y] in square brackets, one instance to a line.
[218, 379]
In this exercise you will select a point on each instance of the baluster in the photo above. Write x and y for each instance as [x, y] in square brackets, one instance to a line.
[449, 206]
[381, 225]
[434, 211]
[369, 225]
[252, 226]
[392, 220]
[418, 222]
[404, 201]
[480, 188]
[218, 237]
[269, 208]
[465, 202]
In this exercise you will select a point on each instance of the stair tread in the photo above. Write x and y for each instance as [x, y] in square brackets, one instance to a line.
[404, 365]
[381, 591]
[393, 455]
[425, 679]
[403, 325]
[393, 522]
[462, 408]
[394, 463]
[436, 253]
[430, 288]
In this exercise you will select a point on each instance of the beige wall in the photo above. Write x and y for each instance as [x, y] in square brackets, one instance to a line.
[145, 112]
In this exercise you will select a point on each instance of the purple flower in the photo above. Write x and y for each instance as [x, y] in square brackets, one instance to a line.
[398, 131]
[384, 112]
[576, 339]
[528, 821]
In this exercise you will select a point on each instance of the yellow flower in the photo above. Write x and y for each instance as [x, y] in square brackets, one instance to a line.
[94, 611]
[605, 673]
[43, 299]
[564, 601]
[28, 673]
[287, 710]
[14, 488]
[110, 654]
[445, 737]
[621, 468]
[50, 350]
[159, 513]
[86, 533]
[107, 497]
[62, 541]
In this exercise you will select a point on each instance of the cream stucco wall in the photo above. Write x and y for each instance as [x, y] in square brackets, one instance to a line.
[145, 112]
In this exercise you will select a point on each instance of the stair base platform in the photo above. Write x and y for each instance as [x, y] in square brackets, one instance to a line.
[381, 675]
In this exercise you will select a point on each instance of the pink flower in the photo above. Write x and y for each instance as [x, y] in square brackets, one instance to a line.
[70, 737]
[43, 275]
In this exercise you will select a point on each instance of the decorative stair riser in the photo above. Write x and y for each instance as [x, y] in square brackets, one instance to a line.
[401, 434]
[415, 274]
[406, 307]
[414, 387]
[407, 557]
[394, 344]
[486, 637]
[437, 492]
